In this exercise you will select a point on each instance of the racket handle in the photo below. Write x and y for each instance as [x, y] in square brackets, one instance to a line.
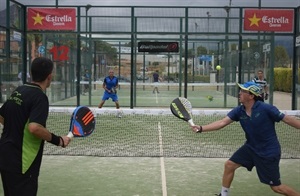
[70, 135]
[191, 122]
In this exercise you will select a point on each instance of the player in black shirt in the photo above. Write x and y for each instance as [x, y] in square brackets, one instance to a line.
[24, 117]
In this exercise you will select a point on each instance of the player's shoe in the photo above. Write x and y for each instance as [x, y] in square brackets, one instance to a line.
[218, 194]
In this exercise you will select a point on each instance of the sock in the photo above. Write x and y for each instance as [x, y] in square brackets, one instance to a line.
[225, 191]
[119, 111]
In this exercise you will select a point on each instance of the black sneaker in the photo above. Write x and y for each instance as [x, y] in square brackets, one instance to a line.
[218, 194]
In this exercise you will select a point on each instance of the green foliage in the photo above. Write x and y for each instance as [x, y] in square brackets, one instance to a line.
[281, 56]
[201, 50]
[106, 48]
[198, 78]
[283, 79]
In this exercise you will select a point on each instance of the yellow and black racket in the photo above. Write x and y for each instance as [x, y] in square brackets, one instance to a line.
[182, 109]
[82, 122]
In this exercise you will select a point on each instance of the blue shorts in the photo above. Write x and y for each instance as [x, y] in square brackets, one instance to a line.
[107, 95]
[267, 168]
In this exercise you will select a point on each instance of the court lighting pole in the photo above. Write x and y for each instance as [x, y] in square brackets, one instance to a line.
[88, 49]
[207, 62]
[195, 49]
[225, 62]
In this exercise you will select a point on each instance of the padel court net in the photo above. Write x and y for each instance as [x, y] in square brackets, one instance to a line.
[156, 133]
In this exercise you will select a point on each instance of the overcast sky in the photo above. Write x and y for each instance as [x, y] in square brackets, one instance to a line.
[237, 3]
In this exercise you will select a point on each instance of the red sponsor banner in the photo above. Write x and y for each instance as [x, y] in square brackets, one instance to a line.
[51, 19]
[268, 20]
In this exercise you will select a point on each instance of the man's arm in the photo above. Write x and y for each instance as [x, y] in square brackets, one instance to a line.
[213, 126]
[104, 86]
[41, 132]
[292, 121]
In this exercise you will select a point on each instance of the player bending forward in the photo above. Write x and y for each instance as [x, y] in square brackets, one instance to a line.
[262, 148]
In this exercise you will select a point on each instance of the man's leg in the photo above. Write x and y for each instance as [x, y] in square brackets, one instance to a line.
[228, 175]
[101, 104]
[19, 184]
[119, 113]
[285, 190]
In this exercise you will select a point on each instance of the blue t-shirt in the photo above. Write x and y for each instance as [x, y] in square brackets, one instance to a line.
[111, 82]
[259, 129]
[155, 77]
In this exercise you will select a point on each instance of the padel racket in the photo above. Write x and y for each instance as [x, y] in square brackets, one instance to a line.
[182, 109]
[82, 122]
[113, 90]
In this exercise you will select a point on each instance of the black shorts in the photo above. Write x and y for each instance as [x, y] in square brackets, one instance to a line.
[267, 168]
[19, 184]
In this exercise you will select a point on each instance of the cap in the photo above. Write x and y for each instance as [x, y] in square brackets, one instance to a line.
[252, 87]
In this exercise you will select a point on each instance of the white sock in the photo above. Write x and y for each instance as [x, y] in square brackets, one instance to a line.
[225, 191]
[119, 111]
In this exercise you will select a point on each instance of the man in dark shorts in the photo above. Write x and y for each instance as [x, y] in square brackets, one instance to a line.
[24, 117]
[262, 148]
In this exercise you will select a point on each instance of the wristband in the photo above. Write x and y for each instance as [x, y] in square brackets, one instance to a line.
[62, 142]
[54, 139]
[200, 130]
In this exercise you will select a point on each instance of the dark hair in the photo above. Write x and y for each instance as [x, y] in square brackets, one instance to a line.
[41, 67]
[258, 98]
[260, 71]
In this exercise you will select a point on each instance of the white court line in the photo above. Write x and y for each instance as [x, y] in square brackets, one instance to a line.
[162, 163]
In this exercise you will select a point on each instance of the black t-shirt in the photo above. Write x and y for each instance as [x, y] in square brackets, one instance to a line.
[20, 151]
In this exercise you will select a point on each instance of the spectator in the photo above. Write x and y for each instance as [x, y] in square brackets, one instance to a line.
[20, 78]
[86, 79]
[260, 79]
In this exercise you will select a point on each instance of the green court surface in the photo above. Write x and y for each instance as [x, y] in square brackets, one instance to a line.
[144, 96]
[125, 176]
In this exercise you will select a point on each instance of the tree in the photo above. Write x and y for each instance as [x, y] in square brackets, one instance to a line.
[281, 56]
[109, 51]
[201, 50]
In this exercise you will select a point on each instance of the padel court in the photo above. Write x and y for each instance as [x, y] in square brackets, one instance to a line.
[149, 152]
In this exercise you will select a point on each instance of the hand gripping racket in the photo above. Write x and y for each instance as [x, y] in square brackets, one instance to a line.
[82, 122]
[113, 90]
[182, 109]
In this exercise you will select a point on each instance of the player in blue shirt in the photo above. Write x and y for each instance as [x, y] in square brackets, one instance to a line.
[262, 148]
[110, 84]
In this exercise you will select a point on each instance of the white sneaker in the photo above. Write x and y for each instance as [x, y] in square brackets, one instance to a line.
[119, 115]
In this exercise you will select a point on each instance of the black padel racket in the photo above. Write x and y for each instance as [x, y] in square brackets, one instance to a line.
[113, 90]
[182, 109]
[82, 122]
